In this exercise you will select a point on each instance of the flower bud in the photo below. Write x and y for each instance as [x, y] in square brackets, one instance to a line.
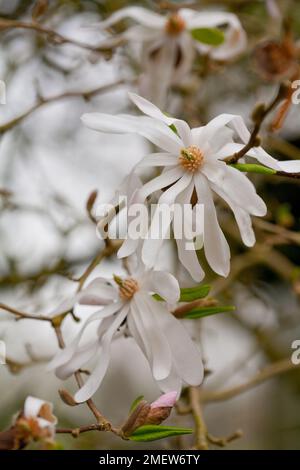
[66, 397]
[137, 418]
[161, 408]
[154, 413]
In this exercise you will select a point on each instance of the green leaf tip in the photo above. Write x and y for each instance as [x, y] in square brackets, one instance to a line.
[210, 36]
[153, 432]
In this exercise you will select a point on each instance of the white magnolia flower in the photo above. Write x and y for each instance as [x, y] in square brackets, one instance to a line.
[42, 412]
[167, 46]
[129, 304]
[191, 162]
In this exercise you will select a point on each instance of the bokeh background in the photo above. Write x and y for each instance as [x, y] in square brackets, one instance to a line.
[50, 163]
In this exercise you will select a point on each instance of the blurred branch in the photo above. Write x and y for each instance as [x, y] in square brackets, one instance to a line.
[22, 315]
[76, 431]
[102, 423]
[105, 253]
[51, 35]
[223, 441]
[261, 254]
[280, 145]
[259, 115]
[105, 425]
[293, 237]
[203, 437]
[200, 426]
[88, 94]
[270, 371]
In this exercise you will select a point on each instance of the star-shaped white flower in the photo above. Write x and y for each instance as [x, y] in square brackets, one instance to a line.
[168, 48]
[173, 357]
[191, 162]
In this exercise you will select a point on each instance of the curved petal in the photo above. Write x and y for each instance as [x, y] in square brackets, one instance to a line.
[85, 353]
[160, 225]
[171, 383]
[239, 126]
[242, 217]
[33, 405]
[158, 159]
[129, 246]
[187, 358]
[155, 131]
[188, 258]
[138, 33]
[64, 306]
[136, 329]
[235, 43]
[165, 285]
[227, 150]
[161, 358]
[235, 37]
[141, 15]
[162, 181]
[95, 379]
[65, 355]
[153, 111]
[98, 292]
[237, 123]
[208, 19]
[159, 59]
[289, 166]
[80, 357]
[237, 186]
[215, 245]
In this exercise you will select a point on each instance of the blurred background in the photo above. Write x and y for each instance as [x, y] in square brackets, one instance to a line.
[50, 164]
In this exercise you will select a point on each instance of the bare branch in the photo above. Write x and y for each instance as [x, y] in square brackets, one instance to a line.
[270, 371]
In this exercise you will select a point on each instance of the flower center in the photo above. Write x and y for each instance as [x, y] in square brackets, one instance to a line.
[175, 25]
[127, 288]
[191, 158]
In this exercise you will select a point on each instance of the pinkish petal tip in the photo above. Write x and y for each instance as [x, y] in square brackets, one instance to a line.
[167, 400]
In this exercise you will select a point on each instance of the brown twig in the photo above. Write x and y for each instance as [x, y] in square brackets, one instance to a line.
[270, 371]
[223, 441]
[289, 235]
[53, 36]
[101, 421]
[76, 431]
[22, 315]
[295, 176]
[105, 253]
[200, 426]
[88, 94]
[259, 115]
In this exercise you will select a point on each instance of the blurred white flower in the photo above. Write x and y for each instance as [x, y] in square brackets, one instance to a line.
[191, 160]
[173, 357]
[41, 412]
[273, 9]
[167, 46]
